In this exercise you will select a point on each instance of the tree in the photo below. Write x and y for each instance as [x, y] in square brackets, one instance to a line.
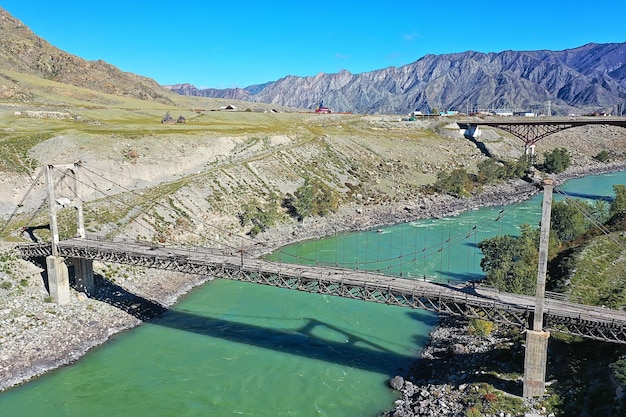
[510, 262]
[568, 221]
[602, 156]
[260, 216]
[489, 170]
[556, 161]
[619, 204]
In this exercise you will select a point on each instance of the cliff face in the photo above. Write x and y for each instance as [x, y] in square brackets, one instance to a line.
[23, 51]
[589, 78]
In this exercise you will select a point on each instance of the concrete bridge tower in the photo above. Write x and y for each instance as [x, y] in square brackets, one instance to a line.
[58, 275]
[536, 352]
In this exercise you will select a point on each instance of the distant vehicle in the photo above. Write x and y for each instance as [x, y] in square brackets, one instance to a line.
[323, 109]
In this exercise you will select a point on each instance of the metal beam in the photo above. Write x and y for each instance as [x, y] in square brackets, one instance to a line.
[531, 131]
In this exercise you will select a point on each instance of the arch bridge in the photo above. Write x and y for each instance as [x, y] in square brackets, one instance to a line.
[531, 130]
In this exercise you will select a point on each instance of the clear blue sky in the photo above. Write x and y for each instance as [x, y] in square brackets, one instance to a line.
[226, 43]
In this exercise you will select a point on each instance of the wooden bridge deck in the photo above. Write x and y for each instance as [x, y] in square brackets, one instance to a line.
[503, 308]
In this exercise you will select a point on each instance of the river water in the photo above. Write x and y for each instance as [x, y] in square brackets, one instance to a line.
[240, 349]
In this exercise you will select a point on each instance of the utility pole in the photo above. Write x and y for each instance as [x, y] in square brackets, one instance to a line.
[536, 352]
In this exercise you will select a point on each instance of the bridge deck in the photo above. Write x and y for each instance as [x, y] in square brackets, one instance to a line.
[504, 308]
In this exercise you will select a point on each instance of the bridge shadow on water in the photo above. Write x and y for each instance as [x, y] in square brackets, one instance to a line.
[608, 199]
[356, 351]
[454, 278]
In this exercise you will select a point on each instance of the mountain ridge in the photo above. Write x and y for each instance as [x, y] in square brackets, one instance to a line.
[588, 78]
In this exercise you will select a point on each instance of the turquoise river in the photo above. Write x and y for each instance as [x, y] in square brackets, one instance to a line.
[237, 349]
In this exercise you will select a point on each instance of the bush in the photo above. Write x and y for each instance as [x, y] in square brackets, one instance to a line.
[473, 412]
[480, 327]
[491, 170]
[313, 198]
[602, 156]
[260, 216]
[457, 183]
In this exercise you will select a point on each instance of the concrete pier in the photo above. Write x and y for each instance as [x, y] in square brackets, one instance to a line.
[58, 279]
[83, 275]
[535, 360]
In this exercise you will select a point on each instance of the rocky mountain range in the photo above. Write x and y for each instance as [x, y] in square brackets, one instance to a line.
[589, 78]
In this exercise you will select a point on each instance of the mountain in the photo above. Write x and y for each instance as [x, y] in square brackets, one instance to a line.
[228, 93]
[589, 78]
[24, 52]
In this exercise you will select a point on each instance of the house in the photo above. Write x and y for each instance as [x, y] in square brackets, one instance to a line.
[323, 109]
[168, 120]
[229, 107]
[181, 119]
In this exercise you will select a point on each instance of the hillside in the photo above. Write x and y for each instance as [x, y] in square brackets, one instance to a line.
[580, 80]
[24, 52]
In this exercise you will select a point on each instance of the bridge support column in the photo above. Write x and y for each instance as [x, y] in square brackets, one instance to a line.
[536, 354]
[529, 151]
[83, 271]
[535, 360]
[58, 279]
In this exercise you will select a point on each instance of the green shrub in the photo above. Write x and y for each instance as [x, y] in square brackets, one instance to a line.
[619, 371]
[313, 198]
[260, 216]
[491, 170]
[473, 412]
[480, 327]
[602, 156]
[457, 183]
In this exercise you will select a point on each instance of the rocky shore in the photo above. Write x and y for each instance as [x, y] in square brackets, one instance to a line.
[455, 373]
[37, 335]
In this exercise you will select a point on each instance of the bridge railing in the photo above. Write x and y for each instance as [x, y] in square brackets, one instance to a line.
[188, 247]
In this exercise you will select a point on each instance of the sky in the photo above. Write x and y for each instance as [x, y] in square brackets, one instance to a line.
[225, 44]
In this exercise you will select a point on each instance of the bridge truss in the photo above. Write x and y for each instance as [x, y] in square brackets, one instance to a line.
[531, 131]
[501, 308]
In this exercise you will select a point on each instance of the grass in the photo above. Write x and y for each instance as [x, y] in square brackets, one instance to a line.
[600, 272]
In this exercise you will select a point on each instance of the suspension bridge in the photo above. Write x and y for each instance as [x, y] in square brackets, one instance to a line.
[535, 315]
[466, 301]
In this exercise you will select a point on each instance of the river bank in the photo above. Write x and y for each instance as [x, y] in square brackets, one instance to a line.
[38, 336]
[356, 217]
